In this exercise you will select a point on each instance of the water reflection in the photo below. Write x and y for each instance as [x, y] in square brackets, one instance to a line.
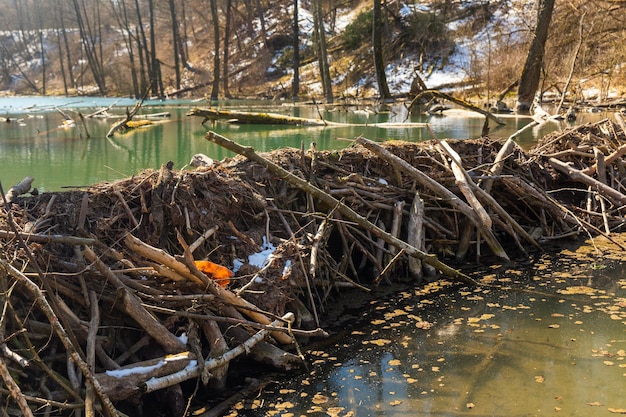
[58, 157]
[558, 346]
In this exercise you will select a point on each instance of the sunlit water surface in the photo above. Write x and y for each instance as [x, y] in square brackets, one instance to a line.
[36, 144]
[554, 347]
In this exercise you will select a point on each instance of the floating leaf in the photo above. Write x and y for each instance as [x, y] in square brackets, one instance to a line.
[470, 405]
[319, 399]
[378, 342]
[617, 410]
[554, 326]
[595, 404]
[540, 379]
[334, 411]
[394, 403]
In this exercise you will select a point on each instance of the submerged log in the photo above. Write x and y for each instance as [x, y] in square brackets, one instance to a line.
[254, 118]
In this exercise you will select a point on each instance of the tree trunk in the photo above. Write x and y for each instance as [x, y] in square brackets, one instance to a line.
[131, 51]
[154, 65]
[176, 42]
[88, 39]
[216, 52]
[259, 10]
[322, 51]
[229, 5]
[529, 81]
[295, 86]
[144, 54]
[379, 63]
[66, 44]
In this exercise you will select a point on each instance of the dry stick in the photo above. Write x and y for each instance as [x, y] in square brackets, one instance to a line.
[346, 211]
[132, 306]
[498, 163]
[127, 209]
[601, 171]
[14, 389]
[70, 240]
[579, 176]
[462, 180]
[159, 255]
[217, 347]
[485, 196]
[193, 371]
[195, 245]
[94, 323]
[18, 189]
[435, 187]
[617, 154]
[415, 233]
[108, 406]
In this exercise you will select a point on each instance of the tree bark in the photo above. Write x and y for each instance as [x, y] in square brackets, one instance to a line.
[227, 29]
[176, 43]
[529, 81]
[295, 86]
[379, 63]
[322, 50]
[216, 51]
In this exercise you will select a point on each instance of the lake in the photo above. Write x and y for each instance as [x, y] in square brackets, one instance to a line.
[35, 143]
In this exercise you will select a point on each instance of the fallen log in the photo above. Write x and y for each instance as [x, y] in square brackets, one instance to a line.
[18, 189]
[254, 118]
[429, 94]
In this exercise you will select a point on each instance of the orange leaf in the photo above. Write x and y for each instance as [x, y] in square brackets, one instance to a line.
[219, 273]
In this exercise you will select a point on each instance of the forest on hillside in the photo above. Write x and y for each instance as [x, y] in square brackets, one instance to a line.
[314, 48]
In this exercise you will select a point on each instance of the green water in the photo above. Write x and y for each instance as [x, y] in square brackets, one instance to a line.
[37, 145]
[532, 348]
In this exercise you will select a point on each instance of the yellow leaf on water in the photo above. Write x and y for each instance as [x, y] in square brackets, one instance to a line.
[617, 410]
[540, 379]
[394, 403]
[608, 363]
[595, 404]
[334, 411]
[378, 342]
[554, 326]
[319, 399]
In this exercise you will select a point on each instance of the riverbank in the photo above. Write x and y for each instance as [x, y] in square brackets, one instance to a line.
[135, 312]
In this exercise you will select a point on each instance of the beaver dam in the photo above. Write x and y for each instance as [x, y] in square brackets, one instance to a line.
[145, 295]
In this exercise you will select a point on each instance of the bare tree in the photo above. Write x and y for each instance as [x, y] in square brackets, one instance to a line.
[322, 50]
[229, 6]
[176, 42]
[379, 63]
[91, 44]
[295, 86]
[529, 80]
[216, 53]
